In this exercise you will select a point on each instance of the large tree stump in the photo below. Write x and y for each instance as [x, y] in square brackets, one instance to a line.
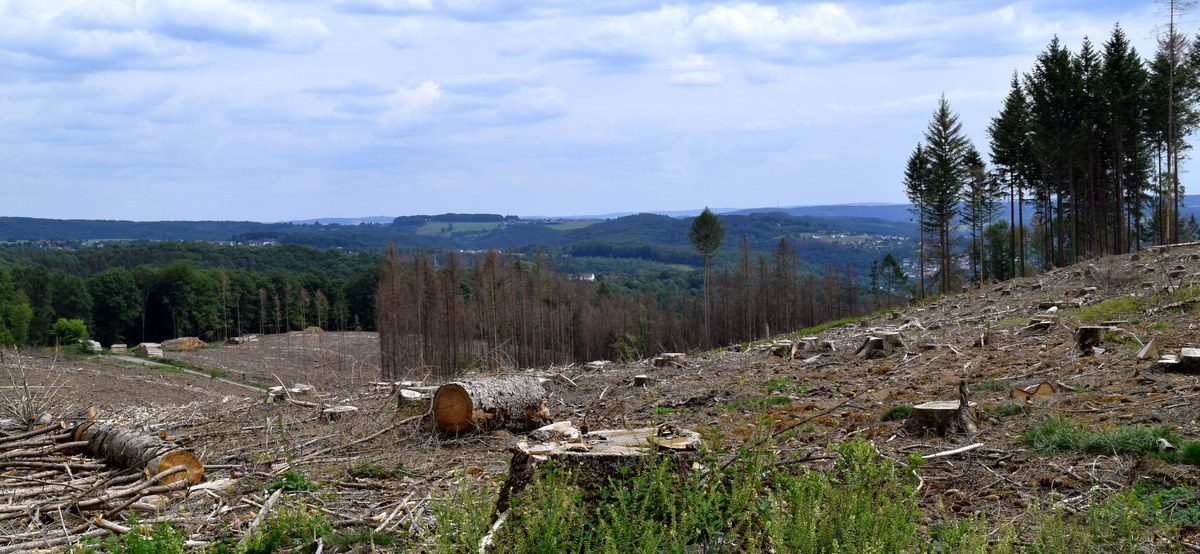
[943, 416]
[485, 403]
[137, 450]
[597, 458]
[1087, 338]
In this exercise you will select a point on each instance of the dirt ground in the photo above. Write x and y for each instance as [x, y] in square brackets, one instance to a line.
[982, 337]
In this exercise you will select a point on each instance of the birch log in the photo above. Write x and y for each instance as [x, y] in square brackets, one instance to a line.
[136, 450]
[491, 403]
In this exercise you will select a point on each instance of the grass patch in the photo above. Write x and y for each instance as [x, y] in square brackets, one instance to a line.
[782, 384]
[753, 506]
[366, 469]
[991, 386]
[752, 402]
[664, 410]
[1006, 410]
[1057, 433]
[895, 412]
[1111, 309]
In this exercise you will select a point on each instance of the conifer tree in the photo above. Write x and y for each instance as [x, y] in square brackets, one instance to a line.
[706, 235]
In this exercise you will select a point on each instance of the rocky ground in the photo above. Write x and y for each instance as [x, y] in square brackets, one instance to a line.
[987, 339]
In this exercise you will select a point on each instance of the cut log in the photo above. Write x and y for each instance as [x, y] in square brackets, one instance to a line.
[183, 343]
[149, 349]
[132, 449]
[118, 348]
[491, 403]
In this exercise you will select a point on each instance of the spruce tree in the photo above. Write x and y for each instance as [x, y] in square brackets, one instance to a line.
[946, 147]
[706, 235]
[1010, 152]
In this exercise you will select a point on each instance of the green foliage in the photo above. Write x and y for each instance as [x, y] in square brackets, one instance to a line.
[292, 480]
[348, 539]
[895, 412]
[1057, 433]
[462, 515]
[69, 331]
[290, 529]
[1006, 410]
[366, 469]
[866, 504]
[19, 320]
[160, 538]
[781, 384]
[990, 386]
[1108, 310]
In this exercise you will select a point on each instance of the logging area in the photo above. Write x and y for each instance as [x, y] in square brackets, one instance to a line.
[86, 441]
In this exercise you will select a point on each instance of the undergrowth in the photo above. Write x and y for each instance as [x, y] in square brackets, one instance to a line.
[1057, 433]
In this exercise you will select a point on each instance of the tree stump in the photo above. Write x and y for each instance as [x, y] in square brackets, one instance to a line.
[136, 450]
[596, 458]
[1188, 361]
[488, 403]
[336, 413]
[943, 416]
[875, 347]
[1087, 338]
[669, 359]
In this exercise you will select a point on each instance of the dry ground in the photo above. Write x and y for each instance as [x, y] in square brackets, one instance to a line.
[980, 337]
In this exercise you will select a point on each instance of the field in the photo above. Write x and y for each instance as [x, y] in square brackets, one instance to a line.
[388, 469]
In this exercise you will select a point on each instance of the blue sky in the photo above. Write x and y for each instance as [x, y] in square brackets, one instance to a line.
[274, 110]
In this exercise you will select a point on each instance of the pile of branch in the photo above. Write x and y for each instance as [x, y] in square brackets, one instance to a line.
[62, 484]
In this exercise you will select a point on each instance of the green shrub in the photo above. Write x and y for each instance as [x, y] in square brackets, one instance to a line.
[290, 528]
[292, 480]
[69, 331]
[161, 538]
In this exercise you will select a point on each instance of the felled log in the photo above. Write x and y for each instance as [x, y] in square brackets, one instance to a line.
[137, 450]
[183, 343]
[594, 459]
[491, 403]
[149, 349]
[119, 348]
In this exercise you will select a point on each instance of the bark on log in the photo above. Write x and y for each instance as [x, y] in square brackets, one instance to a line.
[132, 449]
[491, 403]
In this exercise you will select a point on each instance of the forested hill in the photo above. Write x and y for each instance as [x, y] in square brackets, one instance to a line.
[33, 229]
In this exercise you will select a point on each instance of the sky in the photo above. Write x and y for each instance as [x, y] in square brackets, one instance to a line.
[271, 110]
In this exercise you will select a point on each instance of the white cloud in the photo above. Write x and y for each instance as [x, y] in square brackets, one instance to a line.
[408, 104]
[696, 70]
[385, 7]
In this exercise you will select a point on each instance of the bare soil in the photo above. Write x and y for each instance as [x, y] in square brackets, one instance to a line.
[981, 337]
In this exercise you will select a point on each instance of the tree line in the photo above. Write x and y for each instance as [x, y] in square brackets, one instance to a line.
[1092, 141]
[148, 304]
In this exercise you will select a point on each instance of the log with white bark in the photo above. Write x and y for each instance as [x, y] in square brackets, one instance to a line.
[491, 403]
[137, 450]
